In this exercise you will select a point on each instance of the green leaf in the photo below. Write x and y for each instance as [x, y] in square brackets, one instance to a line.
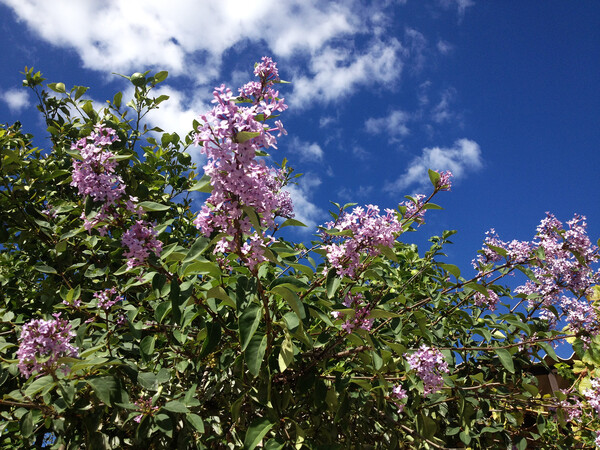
[286, 353]
[147, 380]
[27, 424]
[451, 269]
[219, 292]
[202, 185]
[196, 422]
[105, 388]
[248, 323]
[333, 282]
[197, 248]
[292, 299]
[201, 268]
[549, 350]
[160, 76]
[506, 359]
[117, 99]
[256, 431]
[147, 346]
[255, 353]
[213, 337]
[434, 177]
[58, 87]
[153, 206]
[44, 383]
[291, 281]
[80, 91]
[244, 136]
[292, 223]
[176, 407]
[44, 269]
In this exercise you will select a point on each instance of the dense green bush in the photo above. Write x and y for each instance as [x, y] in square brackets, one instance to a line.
[132, 317]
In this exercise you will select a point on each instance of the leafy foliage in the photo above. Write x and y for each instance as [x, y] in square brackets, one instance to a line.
[195, 347]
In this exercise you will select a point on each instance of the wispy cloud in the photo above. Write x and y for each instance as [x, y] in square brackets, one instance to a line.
[16, 99]
[463, 157]
[336, 71]
[308, 151]
[393, 125]
[304, 209]
[460, 5]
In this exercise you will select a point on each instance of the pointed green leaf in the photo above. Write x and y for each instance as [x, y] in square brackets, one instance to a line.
[506, 359]
[256, 431]
[153, 206]
[248, 323]
[255, 353]
[333, 282]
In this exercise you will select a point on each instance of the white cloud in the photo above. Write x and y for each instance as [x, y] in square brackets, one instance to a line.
[308, 151]
[139, 34]
[444, 47]
[304, 209]
[337, 72]
[442, 112]
[464, 156]
[16, 99]
[394, 125]
[460, 5]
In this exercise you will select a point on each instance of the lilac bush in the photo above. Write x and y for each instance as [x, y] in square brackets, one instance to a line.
[136, 316]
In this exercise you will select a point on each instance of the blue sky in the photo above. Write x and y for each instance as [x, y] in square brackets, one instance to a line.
[504, 93]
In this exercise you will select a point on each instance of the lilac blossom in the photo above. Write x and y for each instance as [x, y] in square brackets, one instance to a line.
[140, 241]
[399, 394]
[145, 408]
[429, 365]
[361, 316]
[230, 137]
[107, 298]
[571, 406]
[369, 230]
[593, 395]
[414, 209]
[445, 182]
[490, 301]
[42, 343]
[561, 261]
[95, 174]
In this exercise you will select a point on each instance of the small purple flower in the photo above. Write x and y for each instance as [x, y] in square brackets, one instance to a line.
[140, 240]
[107, 298]
[445, 182]
[429, 365]
[369, 230]
[42, 343]
[399, 394]
[145, 407]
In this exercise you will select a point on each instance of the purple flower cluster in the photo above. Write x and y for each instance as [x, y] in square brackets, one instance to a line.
[42, 343]
[517, 252]
[399, 394]
[593, 395]
[490, 301]
[571, 406]
[96, 176]
[107, 298]
[444, 183]
[140, 240]
[361, 316]
[429, 365]
[369, 230]
[231, 135]
[561, 261]
[414, 209]
[145, 407]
